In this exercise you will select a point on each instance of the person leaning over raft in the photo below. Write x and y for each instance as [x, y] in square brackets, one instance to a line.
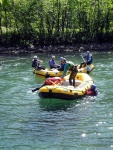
[73, 68]
[89, 59]
[36, 62]
[52, 63]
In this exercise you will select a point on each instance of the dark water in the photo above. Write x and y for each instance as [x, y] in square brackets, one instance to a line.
[30, 123]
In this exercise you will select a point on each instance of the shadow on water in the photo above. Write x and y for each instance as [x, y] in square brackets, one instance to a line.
[57, 104]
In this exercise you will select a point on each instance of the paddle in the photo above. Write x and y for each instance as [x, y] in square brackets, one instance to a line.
[52, 83]
[88, 68]
[36, 89]
[83, 58]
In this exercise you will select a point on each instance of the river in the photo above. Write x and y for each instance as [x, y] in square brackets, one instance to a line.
[31, 123]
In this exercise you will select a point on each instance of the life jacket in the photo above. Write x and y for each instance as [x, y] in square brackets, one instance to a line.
[71, 65]
[92, 92]
[52, 63]
[53, 80]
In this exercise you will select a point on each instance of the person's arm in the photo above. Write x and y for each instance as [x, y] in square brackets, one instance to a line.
[66, 67]
[96, 92]
[62, 67]
[32, 64]
[51, 64]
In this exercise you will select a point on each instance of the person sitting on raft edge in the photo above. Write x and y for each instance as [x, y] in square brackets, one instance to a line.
[89, 59]
[52, 63]
[36, 62]
[73, 68]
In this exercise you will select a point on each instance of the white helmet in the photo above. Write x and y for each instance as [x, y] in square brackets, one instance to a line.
[35, 57]
[53, 57]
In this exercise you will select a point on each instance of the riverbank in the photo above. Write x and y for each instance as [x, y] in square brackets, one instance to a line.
[56, 49]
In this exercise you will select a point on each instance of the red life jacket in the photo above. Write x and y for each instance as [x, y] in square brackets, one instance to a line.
[90, 93]
[53, 80]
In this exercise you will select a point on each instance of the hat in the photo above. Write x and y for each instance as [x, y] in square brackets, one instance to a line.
[53, 56]
[35, 57]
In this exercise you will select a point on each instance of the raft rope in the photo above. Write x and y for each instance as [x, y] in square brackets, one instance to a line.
[66, 88]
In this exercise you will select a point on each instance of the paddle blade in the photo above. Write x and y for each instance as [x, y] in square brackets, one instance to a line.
[36, 89]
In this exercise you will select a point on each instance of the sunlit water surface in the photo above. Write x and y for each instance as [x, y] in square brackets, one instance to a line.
[28, 122]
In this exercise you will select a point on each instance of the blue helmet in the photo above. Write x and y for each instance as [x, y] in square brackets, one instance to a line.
[93, 86]
[87, 52]
[61, 58]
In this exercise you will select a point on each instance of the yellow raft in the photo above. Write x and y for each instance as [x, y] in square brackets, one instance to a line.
[49, 72]
[65, 91]
[55, 73]
[86, 69]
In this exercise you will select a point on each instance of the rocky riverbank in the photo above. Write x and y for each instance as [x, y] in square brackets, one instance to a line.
[56, 49]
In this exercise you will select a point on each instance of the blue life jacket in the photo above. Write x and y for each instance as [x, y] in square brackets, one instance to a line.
[62, 67]
[89, 59]
[51, 63]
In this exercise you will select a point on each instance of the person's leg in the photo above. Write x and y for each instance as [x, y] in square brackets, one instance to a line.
[74, 75]
[81, 65]
[70, 78]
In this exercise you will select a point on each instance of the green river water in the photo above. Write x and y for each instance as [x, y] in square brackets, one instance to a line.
[28, 122]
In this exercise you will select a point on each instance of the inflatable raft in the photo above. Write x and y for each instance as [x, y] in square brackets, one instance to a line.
[63, 90]
[49, 72]
[55, 73]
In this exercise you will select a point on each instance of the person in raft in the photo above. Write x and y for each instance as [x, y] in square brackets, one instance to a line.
[49, 81]
[88, 59]
[62, 64]
[92, 91]
[73, 68]
[36, 62]
[52, 63]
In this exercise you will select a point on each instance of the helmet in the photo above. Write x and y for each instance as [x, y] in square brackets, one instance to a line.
[61, 58]
[87, 52]
[53, 57]
[64, 59]
[93, 86]
[35, 57]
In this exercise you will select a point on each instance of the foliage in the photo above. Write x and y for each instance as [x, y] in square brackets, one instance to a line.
[55, 21]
